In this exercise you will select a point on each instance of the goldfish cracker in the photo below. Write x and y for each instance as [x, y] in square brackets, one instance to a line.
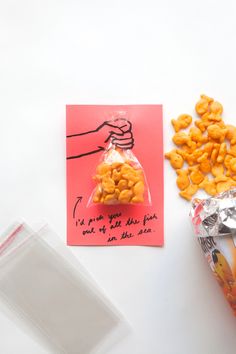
[210, 117]
[125, 168]
[232, 164]
[176, 160]
[112, 198]
[116, 165]
[225, 186]
[221, 124]
[189, 192]
[103, 168]
[109, 199]
[182, 122]
[139, 173]
[125, 196]
[189, 149]
[221, 178]
[197, 136]
[227, 160]
[137, 199]
[202, 125]
[204, 112]
[188, 157]
[203, 157]
[192, 145]
[216, 107]
[232, 150]
[231, 134]
[209, 186]
[133, 177]
[207, 118]
[196, 175]
[183, 152]
[184, 148]
[192, 158]
[138, 189]
[199, 124]
[116, 176]
[208, 147]
[96, 199]
[101, 177]
[181, 138]
[122, 184]
[216, 133]
[207, 98]
[128, 175]
[205, 166]
[182, 180]
[217, 170]
[215, 153]
[108, 185]
[202, 106]
[222, 153]
[117, 192]
[130, 183]
[233, 181]
[97, 194]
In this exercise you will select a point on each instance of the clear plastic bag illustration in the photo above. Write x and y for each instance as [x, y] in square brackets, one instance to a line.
[119, 177]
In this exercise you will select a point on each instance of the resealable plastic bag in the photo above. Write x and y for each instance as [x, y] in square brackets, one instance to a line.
[120, 177]
[47, 289]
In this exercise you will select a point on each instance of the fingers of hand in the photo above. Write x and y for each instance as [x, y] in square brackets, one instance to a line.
[114, 129]
[123, 124]
[120, 136]
[125, 141]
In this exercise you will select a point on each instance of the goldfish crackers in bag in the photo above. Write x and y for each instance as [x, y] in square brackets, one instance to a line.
[119, 177]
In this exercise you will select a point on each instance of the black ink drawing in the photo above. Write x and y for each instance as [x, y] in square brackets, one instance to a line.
[118, 131]
[79, 199]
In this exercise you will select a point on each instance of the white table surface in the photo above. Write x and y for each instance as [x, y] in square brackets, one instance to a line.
[58, 52]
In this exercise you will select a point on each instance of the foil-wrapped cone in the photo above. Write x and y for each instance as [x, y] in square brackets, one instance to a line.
[215, 216]
[214, 223]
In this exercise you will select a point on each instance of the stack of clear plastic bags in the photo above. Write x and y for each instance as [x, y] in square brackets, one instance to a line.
[120, 178]
[47, 289]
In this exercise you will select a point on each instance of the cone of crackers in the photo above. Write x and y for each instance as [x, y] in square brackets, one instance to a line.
[214, 224]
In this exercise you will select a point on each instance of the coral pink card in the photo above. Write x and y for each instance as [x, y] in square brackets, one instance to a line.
[88, 132]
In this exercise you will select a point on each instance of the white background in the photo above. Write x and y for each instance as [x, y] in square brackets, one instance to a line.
[56, 52]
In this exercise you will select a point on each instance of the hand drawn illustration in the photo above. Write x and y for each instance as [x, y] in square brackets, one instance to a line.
[117, 131]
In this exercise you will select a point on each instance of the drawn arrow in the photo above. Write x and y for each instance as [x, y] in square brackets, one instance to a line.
[79, 200]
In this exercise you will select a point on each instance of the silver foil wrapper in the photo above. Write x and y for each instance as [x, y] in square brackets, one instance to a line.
[215, 216]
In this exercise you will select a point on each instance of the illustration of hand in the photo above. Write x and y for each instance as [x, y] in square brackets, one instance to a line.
[117, 131]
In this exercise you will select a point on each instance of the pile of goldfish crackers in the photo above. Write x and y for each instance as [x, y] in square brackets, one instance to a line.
[208, 150]
[119, 183]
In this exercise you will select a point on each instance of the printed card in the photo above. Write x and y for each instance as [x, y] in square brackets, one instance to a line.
[121, 204]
